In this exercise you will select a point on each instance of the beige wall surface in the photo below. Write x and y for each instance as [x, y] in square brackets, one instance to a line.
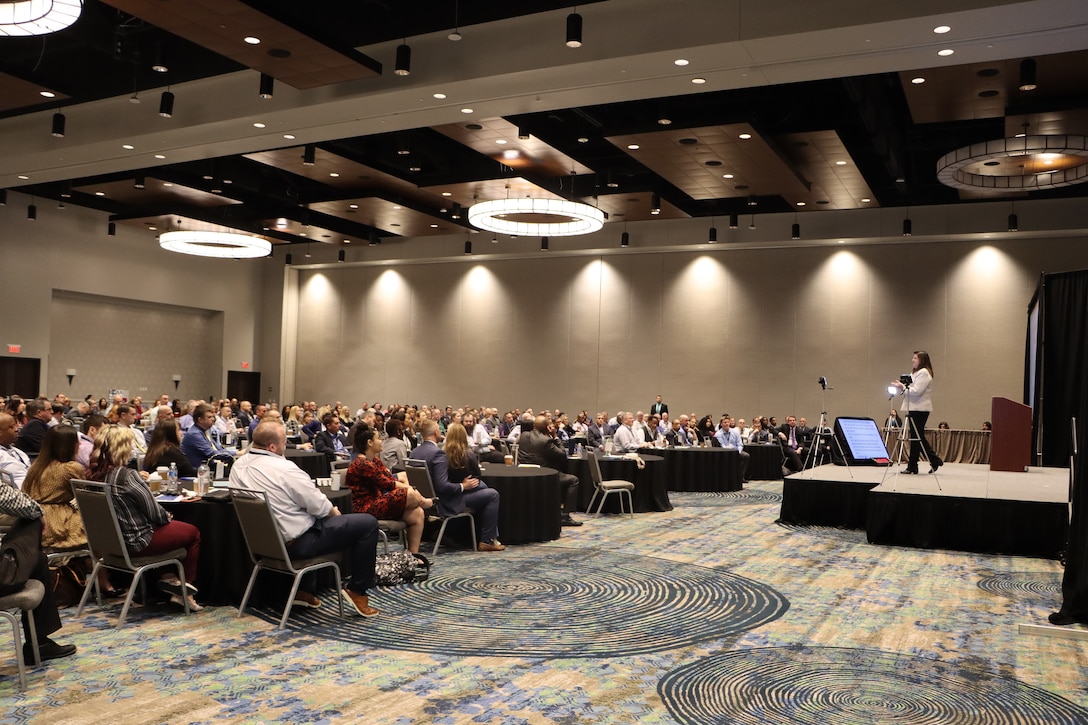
[68, 251]
[744, 331]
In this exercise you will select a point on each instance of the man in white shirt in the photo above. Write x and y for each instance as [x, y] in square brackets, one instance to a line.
[12, 460]
[728, 437]
[625, 440]
[126, 417]
[88, 429]
[309, 523]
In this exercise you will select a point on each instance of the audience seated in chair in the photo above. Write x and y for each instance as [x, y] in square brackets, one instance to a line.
[199, 442]
[331, 441]
[13, 461]
[540, 447]
[165, 448]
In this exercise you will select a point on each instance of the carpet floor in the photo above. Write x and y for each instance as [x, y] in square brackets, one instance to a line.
[710, 613]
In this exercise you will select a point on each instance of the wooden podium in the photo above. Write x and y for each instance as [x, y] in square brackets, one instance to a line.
[1010, 443]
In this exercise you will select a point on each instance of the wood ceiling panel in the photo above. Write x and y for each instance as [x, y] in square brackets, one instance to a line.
[17, 93]
[498, 139]
[312, 233]
[156, 192]
[636, 207]
[388, 216]
[156, 224]
[822, 158]
[221, 26]
[467, 193]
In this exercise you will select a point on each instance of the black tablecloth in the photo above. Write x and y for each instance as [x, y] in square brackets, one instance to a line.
[224, 567]
[824, 503]
[651, 487]
[315, 464]
[765, 463]
[701, 469]
[529, 503]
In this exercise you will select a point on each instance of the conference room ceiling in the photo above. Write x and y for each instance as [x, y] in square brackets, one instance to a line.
[850, 141]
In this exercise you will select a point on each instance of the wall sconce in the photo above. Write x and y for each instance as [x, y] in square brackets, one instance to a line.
[177, 381]
[70, 373]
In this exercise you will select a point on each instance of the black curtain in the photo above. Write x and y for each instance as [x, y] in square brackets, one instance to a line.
[1064, 395]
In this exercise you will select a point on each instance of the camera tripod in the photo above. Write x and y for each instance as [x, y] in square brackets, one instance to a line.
[905, 442]
[817, 441]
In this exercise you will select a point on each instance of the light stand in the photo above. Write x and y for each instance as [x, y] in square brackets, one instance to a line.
[817, 441]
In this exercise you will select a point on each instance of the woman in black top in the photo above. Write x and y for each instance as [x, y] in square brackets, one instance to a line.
[165, 448]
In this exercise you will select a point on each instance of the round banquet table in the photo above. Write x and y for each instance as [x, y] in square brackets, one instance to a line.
[315, 464]
[702, 469]
[765, 463]
[224, 566]
[651, 486]
[528, 502]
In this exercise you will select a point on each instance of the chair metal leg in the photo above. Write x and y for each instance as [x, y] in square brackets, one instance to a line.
[33, 637]
[441, 533]
[291, 600]
[91, 578]
[249, 589]
[385, 541]
[589, 506]
[339, 596]
[630, 504]
[185, 591]
[472, 531]
[600, 506]
[16, 635]
[137, 579]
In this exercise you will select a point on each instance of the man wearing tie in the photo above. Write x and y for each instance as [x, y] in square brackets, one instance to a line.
[198, 443]
[658, 407]
[790, 435]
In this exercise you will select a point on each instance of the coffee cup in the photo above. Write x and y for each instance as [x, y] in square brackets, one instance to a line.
[334, 481]
[508, 459]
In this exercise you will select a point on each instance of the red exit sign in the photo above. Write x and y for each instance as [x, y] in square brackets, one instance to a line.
[15, 349]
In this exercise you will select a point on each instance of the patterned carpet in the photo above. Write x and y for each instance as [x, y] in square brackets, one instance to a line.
[709, 613]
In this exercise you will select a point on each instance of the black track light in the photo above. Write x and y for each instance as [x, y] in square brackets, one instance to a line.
[907, 227]
[267, 83]
[373, 240]
[166, 105]
[734, 220]
[309, 155]
[574, 30]
[31, 213]
[111, 229]
[341, 256]
[712, 235]
[3, 197]
[1027, 75]
[58, 125]
[543, 244]
[468, 247]
[1014, 225]
[456, 212]
[288, 259]
[139, 182]
[403, 65]
[795, 232]
[625, 240]
[523, 134]
[655, 204]
[66, 190]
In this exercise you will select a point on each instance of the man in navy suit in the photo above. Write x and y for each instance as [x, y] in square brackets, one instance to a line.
[453, 498]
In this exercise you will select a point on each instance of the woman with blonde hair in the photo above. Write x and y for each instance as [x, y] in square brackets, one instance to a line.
[147, 527]
[462, 461]
[293, 421]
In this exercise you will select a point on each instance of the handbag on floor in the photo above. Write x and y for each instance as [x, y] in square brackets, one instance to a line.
[400, 567]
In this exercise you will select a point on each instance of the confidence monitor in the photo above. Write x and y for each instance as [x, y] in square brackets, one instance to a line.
[863, 444]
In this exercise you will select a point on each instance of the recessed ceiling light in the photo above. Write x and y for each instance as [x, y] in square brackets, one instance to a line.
[500, 141]
[680, 62]
[583, 139]
[745, 136]
[698, 81]
[840, 163]
[800, 203]
[842, 241]
[334, 174]
[127, 146]
[289, 136]
[415, 168]
[396, 207]
[353, 206]
[945, 52]
[1020, 135]
[100, 193]
[24, 177]
[865, 200]
[258, 124]
[167, 183]
[466, 110]
[228, 181]
[918, 81]
[941, 29]
[439, 96]
[727, 176]
[159, 156]
[47, 94]
[434, 226]
[665, 121]
[252, 40]
[633, 146]
[447, 193]
[510, 154]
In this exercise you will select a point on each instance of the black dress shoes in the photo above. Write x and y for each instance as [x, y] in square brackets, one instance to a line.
[48, 650]
[566, 520]
[910, 470]
[934, 465]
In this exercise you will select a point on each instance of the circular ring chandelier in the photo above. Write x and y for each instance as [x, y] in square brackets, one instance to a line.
[1067, 154]
[553, 217]
[20, 18]
[225, 245]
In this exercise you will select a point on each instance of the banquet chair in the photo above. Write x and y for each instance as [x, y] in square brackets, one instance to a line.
[268, 550]
[605, 488]
[420, 478]
[107, 545]
[24, 600]
[385, 526]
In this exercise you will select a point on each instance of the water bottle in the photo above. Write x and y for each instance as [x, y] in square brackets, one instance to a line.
[203, 479]
[172, 480]
[608, 446]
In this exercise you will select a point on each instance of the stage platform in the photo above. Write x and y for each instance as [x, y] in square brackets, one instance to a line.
[973, 509]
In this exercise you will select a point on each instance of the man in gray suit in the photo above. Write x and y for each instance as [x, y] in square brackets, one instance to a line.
[539, 446]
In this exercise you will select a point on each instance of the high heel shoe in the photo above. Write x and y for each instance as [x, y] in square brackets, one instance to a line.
[933, 466]
[910, 470]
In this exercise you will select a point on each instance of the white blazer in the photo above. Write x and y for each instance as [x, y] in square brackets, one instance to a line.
[918, 396]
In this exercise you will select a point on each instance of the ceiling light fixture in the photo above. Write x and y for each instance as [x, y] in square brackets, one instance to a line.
[223, 245]
[21, 18]
[945, 52]
[712, 234]
[267, 84]
[507, 216]
[455, 34]
[468, 247]
[543, 244]
[456, 212]
[1014, 223]
[960, 168]
[309, 155]
[918, 81]
[698, 81]
[252, 40]
[341, 256]
[288, 259]
[166, 105]
[574, 30]
[31, 212]
[625, 240]
[1027, 75]
[655, 204]
[111, 229]
[795, 231]
[66, 189]
[58, 125]
[523, 133]
[138, 182]
[941, 29]
[908, 227]
[734, 220]
[403, 65]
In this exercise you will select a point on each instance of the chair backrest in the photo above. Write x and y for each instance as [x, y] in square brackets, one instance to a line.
[259, 528]
[595, 468]
[227, 459]
[340, 465]
[419, 476]
[95, 501]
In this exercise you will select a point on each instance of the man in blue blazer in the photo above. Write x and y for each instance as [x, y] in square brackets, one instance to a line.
[453, 498]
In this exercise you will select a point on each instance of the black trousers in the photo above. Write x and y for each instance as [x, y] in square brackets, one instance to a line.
[917, 432]
[46, 617]
[569, 484]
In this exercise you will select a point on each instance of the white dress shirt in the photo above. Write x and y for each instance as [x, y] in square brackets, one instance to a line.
[15, 462]
[624, 440]
[296, 503]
